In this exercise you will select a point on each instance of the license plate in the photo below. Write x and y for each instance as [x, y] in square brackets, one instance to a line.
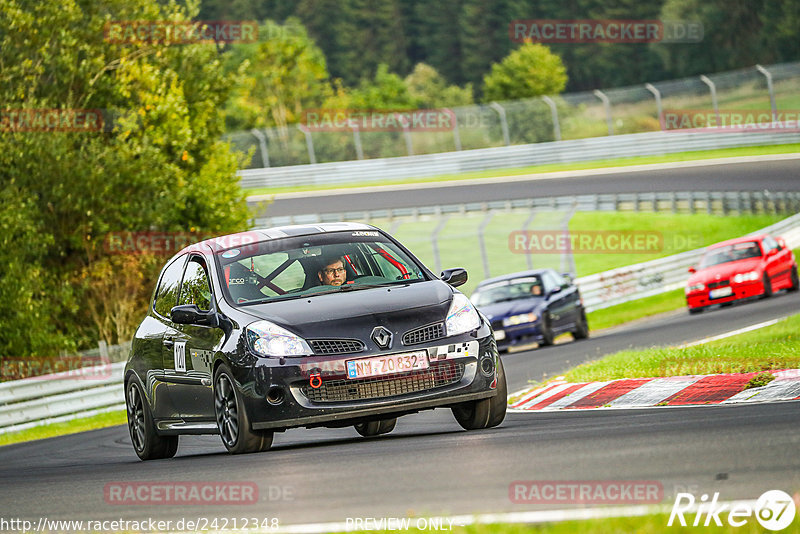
[720, 292]
[499, 335]
[387, 365]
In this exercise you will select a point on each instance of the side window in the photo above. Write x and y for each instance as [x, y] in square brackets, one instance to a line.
[769, 243]
[195, 288]
[167, 292]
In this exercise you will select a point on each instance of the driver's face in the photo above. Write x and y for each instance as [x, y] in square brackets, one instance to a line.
[333, 274]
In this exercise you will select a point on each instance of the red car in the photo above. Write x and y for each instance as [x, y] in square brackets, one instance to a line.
[741, 268]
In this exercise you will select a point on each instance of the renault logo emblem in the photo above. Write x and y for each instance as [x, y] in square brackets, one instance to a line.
[382, 337]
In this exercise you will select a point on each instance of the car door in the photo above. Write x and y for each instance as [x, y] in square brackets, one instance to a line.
[161, 337]
[189, 358]
[561, 300]
[777, 262]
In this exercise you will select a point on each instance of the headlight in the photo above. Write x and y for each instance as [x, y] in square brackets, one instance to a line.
[268, 339]
[462, 316]
[696, 287]
[520, 319]
[745, 277]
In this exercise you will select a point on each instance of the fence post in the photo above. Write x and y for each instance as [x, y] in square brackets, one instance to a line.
[407, 135]
[607, 105]
[528, 221]
[262, 146]
[482, 243]
[771, 90]
[503, 123]
[357, 141]
[456, 133]
[554, 115]
[706, 80]
[567, 257]
[312, 157]
[437, 260]
[657, 94]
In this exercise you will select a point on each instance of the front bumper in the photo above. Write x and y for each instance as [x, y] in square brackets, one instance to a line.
[316, 391]
[744, 290]
[513, 335]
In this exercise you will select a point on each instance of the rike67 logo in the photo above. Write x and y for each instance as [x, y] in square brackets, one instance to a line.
[774, 510]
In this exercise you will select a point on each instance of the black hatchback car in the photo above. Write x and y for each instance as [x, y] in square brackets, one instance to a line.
[301, 326]
[529, 306]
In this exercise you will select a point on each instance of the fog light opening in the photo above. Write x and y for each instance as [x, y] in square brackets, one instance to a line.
[275, 395]
[487, 366]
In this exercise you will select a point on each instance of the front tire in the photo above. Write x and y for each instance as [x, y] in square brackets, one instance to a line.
[795, 281]
[547, 332]
[232, 420]
[485, 413]
[582, 327]
[376, 428]
[146, 441]
[767, 286]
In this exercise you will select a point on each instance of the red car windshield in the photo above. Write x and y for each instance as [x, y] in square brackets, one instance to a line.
[729, 253]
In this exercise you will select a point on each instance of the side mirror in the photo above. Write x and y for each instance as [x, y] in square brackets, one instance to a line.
[191, 314]
[555, 290]
[567, 278]
[781, 243]
[692, 270]
[772, 251]
[454, 277]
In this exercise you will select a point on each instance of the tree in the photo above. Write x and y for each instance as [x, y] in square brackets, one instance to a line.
[430, 90]
[156, 163]
[283, 74]
[531, 70]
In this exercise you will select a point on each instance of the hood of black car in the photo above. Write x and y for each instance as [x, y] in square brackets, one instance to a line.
[354, 314]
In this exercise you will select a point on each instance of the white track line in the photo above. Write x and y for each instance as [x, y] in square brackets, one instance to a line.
[733, 332]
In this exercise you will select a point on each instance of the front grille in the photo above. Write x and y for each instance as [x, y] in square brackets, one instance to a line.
[721, 283]
[335, 346]
[436, 376]
[426, 333]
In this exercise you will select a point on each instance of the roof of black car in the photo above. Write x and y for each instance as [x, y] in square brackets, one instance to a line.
[511, 276]
[224, 242]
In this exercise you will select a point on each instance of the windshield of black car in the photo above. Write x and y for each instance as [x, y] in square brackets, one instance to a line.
[735, 252]
[518, 288]
[309, 266]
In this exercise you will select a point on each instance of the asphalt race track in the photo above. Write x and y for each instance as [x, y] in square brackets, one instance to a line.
[428, 465]
[779, 175]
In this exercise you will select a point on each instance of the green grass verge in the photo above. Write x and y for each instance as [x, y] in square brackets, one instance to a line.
[636, 309]
[550, 167]
[772, 347]
[69, 427]
[647, 524]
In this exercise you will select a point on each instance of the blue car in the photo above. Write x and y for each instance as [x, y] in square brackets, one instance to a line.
[531, 306]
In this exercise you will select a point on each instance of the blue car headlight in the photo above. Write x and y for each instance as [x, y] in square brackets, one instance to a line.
[462, 316]
[268, 339]
[521, 318]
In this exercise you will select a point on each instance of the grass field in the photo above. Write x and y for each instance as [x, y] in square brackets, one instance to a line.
[459, 245]
[655, 523]
[499, 174]
[772, 347]
[70, 427]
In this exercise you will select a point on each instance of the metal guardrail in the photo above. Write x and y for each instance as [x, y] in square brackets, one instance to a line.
[711, 202]
[64, 396]
[633, 282]
[617, 146]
